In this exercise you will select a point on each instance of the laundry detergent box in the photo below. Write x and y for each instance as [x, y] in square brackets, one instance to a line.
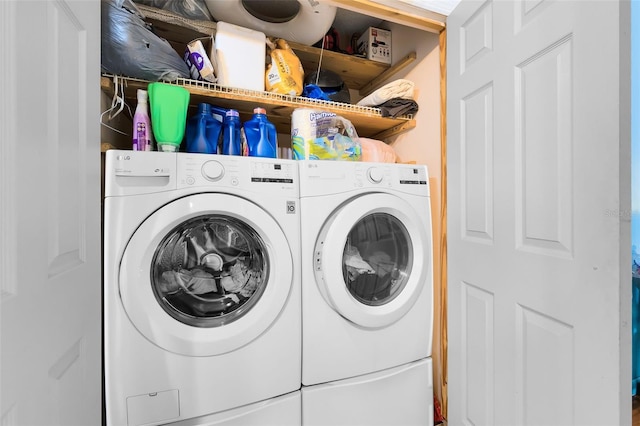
[323, 135]
[199, 55]
[375, 44]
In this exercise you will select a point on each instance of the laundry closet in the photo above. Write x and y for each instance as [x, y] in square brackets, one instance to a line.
[516, 99]
[418, 51]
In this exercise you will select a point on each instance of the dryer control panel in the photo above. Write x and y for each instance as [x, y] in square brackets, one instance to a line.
[334, 177]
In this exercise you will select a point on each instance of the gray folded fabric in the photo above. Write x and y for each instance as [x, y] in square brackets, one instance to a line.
[398, 107]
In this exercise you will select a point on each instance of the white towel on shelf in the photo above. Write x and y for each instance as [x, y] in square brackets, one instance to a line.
[400, 88]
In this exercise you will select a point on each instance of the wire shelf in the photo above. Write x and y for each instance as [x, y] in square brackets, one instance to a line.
[368, 121]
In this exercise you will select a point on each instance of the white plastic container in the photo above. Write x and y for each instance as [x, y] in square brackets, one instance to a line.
[240, 57]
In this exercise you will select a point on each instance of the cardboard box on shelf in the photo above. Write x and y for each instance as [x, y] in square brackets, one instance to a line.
[199, 56]
[375, 44]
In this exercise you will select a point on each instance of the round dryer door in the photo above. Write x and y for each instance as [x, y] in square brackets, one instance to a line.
[372, 259]
[206, 274]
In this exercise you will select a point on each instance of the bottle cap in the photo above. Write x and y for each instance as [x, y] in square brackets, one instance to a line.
[142, 95]
[259, 110]
[204, 108]
[232, 113]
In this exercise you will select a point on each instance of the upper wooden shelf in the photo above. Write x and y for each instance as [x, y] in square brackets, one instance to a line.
[367, 121]
[358, 74]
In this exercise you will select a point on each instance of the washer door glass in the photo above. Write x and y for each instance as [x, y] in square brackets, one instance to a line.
[210, 270]
[377, 259]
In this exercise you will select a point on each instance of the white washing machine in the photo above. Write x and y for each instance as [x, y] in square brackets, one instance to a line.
[201, 288]
[367, 279]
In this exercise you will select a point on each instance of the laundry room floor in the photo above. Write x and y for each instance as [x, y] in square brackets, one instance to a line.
[635, 415]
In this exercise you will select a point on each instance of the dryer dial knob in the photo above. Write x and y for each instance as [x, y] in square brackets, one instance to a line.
[375, 175]
[212, 170]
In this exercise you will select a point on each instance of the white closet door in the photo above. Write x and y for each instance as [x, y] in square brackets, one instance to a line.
[539, 195]
[50, 213]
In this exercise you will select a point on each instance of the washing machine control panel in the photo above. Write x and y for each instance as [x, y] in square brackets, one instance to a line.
[263, 175]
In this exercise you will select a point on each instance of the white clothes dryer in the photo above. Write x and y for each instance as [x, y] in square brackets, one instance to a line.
[367, 279]
[201, 284]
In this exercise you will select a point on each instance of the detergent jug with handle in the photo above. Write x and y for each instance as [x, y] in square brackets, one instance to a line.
[203, 131]
[262, 138]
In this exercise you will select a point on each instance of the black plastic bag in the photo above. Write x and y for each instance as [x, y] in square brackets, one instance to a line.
[129, 48]
[191, 9]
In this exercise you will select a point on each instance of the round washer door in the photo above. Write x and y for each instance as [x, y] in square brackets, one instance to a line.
[206, 274]
[372, 259]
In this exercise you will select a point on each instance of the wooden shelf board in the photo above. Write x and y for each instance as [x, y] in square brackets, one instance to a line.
[358, 73]
[355, 71]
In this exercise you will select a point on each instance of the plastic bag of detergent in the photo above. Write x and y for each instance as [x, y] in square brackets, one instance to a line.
[129, 48]
[285, 73]
[323, 135]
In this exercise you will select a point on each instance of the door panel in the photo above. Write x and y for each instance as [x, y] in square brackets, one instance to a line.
[537, 158]
[51, 303]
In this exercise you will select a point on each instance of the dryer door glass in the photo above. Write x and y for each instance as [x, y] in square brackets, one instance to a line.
[210, 270]
[377, 259]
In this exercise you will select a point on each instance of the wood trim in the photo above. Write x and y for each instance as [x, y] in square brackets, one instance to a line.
[396, 11]
[443, 219]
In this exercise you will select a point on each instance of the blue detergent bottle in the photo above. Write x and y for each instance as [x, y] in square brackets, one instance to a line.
[262, 138]
[203, 131]
[231, 137]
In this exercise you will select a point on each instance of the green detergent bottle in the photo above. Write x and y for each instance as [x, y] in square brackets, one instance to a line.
[169, 105]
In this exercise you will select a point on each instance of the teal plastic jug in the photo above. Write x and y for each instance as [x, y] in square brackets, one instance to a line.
[203, 131]
[261, 135]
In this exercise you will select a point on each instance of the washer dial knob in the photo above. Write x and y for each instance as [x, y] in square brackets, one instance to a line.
[375, 175]
[212, 170]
